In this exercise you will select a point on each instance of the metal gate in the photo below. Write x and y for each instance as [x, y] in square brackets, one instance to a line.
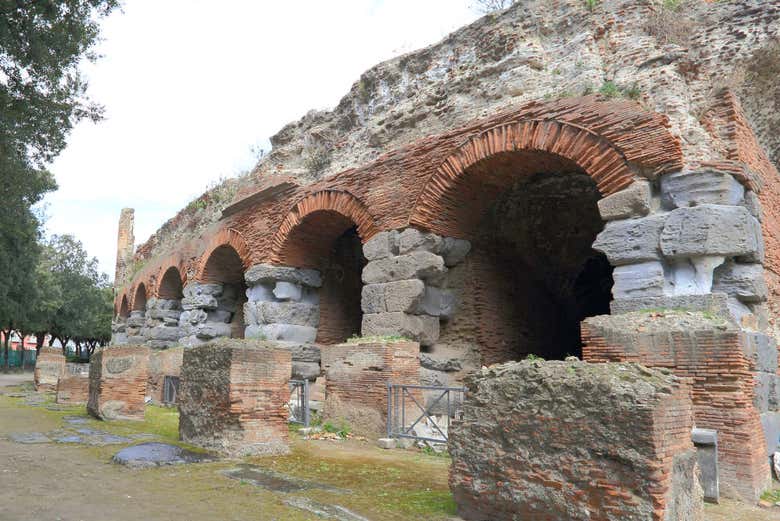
[170, 389]
[299, 402]
[407, 417]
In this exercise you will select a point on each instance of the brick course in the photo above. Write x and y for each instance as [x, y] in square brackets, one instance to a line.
[118, 377]
[162, 363]
[73, 385]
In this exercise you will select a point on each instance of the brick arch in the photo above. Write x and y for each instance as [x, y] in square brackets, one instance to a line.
[224, 238]
[123, 306]
[571, 144]
[138, 291]
[164, 288]
[341, 206]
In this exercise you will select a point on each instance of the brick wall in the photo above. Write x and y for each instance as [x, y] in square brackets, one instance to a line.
[73, 385]
[118, 377]
[233, 397]
[49, 366]
[548, 441]
[357, 376]
[162, 363]
[713, 357]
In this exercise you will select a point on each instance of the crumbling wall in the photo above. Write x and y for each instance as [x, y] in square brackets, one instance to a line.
[576, 441]
[719, 359]
[118, 377]
[49, 367]
[73, 385]
[233, 397]
[162, 363]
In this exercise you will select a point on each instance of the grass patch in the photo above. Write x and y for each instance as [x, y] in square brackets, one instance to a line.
[773, 496]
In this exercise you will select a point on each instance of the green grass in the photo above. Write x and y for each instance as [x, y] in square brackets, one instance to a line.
[773, 496]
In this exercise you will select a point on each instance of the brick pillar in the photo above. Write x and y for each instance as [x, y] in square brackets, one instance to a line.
[49, 367]
[73, 385]
[117, 383]
[124, 245]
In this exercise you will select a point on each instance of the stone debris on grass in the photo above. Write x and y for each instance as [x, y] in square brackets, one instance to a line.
[29, 437]
[322, 510]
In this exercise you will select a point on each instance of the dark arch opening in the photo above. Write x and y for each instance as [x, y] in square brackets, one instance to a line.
[139, 302]
[329, 242]
[532, 275]
[124, 308]
[171, 287]
[225, 267]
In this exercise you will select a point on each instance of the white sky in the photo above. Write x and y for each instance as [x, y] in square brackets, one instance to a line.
[189, 86]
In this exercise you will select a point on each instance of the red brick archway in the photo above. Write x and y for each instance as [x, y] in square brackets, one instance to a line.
[139, 298]
[225, 238]
[170, 282]
[123, 309]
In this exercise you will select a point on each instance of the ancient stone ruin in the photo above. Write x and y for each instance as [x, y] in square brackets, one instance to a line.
[73, 385]
[49, 367]
[552, 180]
[117, 382]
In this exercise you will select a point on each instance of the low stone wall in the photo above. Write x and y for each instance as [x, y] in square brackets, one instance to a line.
[118, 377]
[233, 397]
[49, 367]
[575, 441]
[73, 385]
[356, 380]
[720, 361]
[162, 363]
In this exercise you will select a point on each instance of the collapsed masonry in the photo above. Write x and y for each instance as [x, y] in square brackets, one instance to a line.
[486, 222]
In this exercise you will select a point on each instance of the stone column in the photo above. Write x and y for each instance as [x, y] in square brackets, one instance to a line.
[282, 303]
[134, 327]
[119, 331]
[404, 292]
[206, 313]
[162, 322]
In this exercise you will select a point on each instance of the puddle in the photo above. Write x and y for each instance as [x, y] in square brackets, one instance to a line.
[322, 510]
[157, 454]
[69, 439]
[275, 481]
[29, 437]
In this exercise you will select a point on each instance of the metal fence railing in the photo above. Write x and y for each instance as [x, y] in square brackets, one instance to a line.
[15, 358]
[422, 412]
[300, 411]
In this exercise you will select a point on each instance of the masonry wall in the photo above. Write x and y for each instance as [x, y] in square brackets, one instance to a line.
[233, 397]
[357, 376]
[49, 366]
[163, 363]
[712, 354]
[73, 385]
[560, 440]
[118, 376]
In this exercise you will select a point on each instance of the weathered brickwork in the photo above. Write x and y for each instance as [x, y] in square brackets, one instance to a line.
[163, 363]
[73, 385]
[118, 377]
[233, 397]
[357, 375]
[562, 440]
[713, 355]
[49, 367]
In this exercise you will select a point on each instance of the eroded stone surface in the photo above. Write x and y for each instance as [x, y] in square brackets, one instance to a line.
[155, 454]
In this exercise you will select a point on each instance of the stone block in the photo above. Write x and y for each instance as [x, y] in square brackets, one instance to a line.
[295, 313]
[196, 289]
[761, 351]
[631, 241]
[192, 317]
[715, 303]
[287, 291]
[209, 330]
[267, 273]
[412, 239]
[165, 333]
[385, 443]
[645, 279]
[753, 205]
[628, 203]
[454, 250]
[706, 443]
[372, 298]
[305, 370]
[49, 367]
[233, 397]
[403, 295]
[766, 396]
[136, 320]
[416, 265]
[697, 187]
[710, 230]
[73, 385]
[526, 418]
[381, 245]
[199, 302]
[421, 328]
[288, 333]
[743, 281]
[770, 423]
[437, 302]
[117, 383]
[692, 275]
[219, 315]
[260, 292]
[302, 352]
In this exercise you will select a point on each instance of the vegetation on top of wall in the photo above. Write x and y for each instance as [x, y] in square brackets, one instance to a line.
[377, 339]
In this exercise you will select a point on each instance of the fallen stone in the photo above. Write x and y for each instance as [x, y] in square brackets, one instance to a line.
[269, 273]
[155, 454]
[743, 281]
[386, 443]
[710, 230]
[645, 279]
[696, 187]
[630, 202]
[631, 241]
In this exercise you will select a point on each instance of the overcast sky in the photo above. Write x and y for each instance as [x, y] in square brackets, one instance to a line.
[190, 86]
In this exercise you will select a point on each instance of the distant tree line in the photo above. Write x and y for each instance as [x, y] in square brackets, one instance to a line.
[42, 95]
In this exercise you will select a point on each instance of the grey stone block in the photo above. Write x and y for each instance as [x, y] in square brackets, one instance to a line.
[631, 241]
[165, 333]
[770, 422]
[305, 370]
[194, 289]
[767, 392]
[119, 339]
[445, 365]
[437, 302]
[199, 302]
[753, 205]
[716, 303]
[381, 245]
[696, 187]
[209, 330]
[421, 328]
[412, 239]
[372, 298]
[289, 333]
[710, 230]
[194, 316]
[260, 292]
[263, 273]
[136, 320]
[385, 443]
[761, 349]
[295, 313]
[645, 279]
[252, 315]
[454, 250]
[706, 442]
[692, 275]
[220, 315]
[630, 202]
[302, 352]
[287, 291]
[416, 265]
[743, 281]
[403, 295]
